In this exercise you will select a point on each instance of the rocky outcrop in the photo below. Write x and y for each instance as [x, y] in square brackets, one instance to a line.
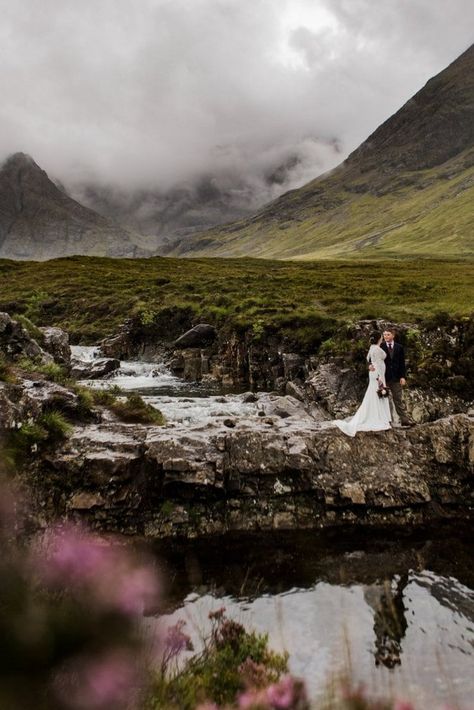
[25, 400]
[16, 343]
[276, 473]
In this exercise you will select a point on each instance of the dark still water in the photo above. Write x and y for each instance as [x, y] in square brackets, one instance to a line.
[395, 612]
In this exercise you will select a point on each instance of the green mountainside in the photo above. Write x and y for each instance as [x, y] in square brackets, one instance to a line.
[408, 190]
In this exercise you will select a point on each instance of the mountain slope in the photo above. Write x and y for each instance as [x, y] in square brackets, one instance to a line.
[39, 221]
[407, 190]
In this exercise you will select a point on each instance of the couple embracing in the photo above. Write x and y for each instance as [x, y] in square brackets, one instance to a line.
[387, 374]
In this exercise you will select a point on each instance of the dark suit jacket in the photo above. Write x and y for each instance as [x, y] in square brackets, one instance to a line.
[395, 364]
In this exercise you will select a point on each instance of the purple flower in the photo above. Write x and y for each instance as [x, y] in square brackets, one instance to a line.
[71, 556]
[135, 590]
[253, 699]
[288, 693]
[104, 683]
[177, 641]
[101, 572]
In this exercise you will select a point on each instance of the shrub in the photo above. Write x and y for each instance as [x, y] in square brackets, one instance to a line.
[105, 397]
[50, 428]
[233, 659]
[70, 615]
[51, 370]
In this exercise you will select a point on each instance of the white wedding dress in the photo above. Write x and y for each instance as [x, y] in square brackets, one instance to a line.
[374, 411]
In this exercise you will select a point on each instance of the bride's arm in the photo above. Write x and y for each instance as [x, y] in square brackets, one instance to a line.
[379, 361]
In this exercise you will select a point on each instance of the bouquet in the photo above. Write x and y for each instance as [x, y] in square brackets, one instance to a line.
[382, 390]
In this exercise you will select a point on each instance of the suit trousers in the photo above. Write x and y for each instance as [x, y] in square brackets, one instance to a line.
[397, 397]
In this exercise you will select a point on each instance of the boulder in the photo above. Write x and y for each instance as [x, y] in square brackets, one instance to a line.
[56, 342]
[94, 369]
[335, 388]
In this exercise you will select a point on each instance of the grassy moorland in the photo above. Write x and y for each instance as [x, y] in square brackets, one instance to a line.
[90, 296]
[420, 213]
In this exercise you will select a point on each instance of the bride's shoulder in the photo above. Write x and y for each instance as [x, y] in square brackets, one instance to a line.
[378, 351]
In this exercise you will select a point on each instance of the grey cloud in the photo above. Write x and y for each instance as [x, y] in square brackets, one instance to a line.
[160, 94]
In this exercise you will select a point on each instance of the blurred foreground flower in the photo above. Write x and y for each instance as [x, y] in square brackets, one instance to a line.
[71, 609]
[69, 557]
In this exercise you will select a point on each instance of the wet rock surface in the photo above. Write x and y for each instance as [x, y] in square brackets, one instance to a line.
[94, 369]
[279, 474]
[56, 342]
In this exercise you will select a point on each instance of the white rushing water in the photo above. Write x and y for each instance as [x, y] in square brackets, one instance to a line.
[188, 403]
[86, 353]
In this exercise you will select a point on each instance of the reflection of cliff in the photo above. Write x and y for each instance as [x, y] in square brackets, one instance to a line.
[390, 623]
[449, 593]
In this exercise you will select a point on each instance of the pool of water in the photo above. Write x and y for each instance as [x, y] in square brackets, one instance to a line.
[396, 613]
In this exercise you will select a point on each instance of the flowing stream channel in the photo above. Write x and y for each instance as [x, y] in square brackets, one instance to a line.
[393, 612]
[187, 403]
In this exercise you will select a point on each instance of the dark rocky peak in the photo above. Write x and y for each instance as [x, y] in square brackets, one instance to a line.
[19, 167]
[436, 124]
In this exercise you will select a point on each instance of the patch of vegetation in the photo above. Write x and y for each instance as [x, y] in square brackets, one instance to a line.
[135, 410]
[56, 426]
[302, 301]
[52, 371]
[49, 429]
[32, 329]
[106, 397]
[232, 659]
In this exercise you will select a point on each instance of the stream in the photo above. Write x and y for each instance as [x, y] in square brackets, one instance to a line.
[187, 403]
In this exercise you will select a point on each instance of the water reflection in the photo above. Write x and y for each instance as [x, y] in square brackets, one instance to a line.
[397, 614]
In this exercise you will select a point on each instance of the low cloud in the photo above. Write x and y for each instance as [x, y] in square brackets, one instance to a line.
[256, 95]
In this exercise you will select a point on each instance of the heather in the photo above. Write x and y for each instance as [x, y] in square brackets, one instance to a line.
[90, 297]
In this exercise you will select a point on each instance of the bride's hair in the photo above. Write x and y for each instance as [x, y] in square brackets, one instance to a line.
[374, 337]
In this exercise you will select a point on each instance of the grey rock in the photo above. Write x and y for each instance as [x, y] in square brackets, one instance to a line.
[119, 476]
[95, 369]
[16, 343]
[56, 342]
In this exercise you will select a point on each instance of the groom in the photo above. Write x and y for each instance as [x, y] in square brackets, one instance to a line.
[395, 373]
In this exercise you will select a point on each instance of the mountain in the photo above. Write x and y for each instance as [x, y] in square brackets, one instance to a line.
[173, 213]
[40, 221]
[408, 190]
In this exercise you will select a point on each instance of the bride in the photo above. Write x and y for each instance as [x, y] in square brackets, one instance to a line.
[374, 411]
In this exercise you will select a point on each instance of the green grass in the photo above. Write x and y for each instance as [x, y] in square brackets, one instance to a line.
[135, 410]
[49, 429]
[91, 296]
[51, 370]
[424, 213]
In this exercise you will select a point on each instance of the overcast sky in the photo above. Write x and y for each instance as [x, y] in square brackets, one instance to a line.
[156, 92]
